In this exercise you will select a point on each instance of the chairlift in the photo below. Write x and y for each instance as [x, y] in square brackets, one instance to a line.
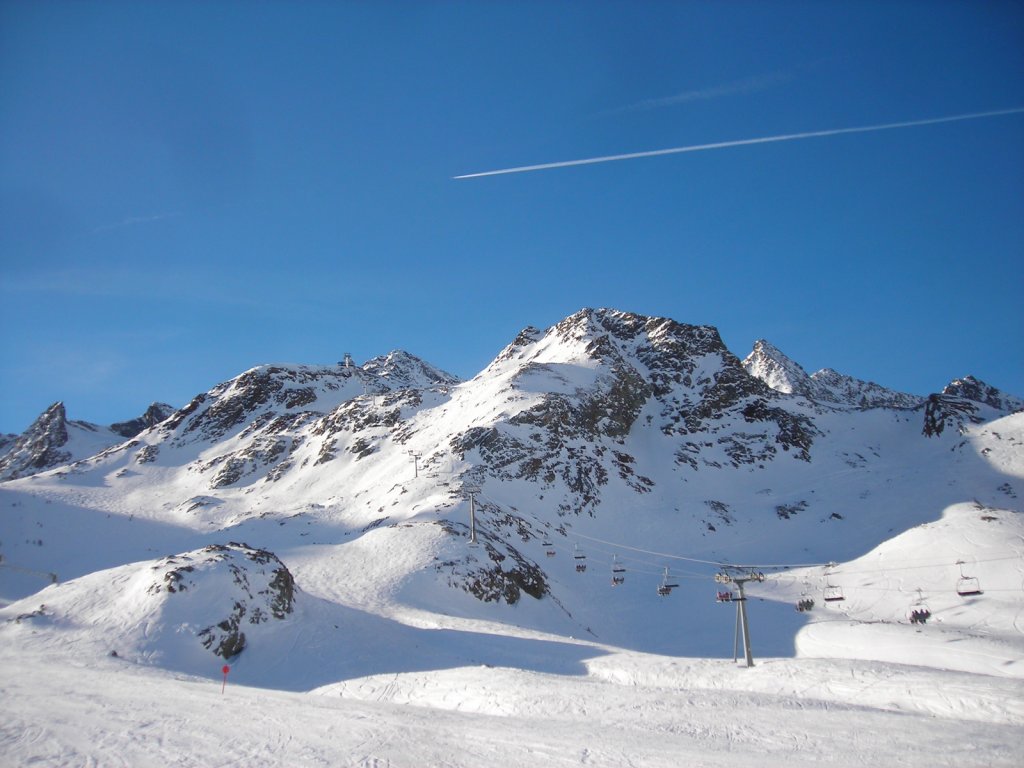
[666, 587]
[617, 572]
[724, 596]
[967, 586]
[832, 592]
[549, 548]
[919, 611]
[806, 602]
[580, 558]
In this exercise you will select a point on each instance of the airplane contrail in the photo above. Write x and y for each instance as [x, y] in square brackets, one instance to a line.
[745, 142]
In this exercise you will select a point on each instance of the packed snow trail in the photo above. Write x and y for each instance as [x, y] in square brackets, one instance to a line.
[660, 712]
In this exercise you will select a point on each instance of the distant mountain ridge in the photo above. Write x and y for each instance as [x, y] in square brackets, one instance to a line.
[666, 358]
[53, 440]
[782, 374]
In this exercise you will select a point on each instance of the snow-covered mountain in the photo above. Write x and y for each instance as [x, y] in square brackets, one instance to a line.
[53, 440]
[589, 465]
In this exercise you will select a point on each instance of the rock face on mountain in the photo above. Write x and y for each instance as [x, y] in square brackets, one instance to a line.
[40, 447]
[404, 371]
[238, 587]
[156, 413]
[970, 388]
[598, 376]
[963, 403]
[832, 386]
[183, 610]
[53, 440]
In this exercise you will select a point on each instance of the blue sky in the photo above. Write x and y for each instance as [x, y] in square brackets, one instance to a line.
[191, 189]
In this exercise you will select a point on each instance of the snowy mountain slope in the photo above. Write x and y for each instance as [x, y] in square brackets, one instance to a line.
[945, 594]
[52, 440]
[832, 386]
[607, 427]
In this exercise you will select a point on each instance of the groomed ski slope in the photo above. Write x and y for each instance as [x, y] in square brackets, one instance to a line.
[626, 712]
[411, 691]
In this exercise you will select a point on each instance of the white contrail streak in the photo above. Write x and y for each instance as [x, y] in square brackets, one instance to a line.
[745, 142]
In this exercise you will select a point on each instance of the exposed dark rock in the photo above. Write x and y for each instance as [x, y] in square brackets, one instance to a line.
[970, 388]
[155, 414]
[941, 411]
[40, 447]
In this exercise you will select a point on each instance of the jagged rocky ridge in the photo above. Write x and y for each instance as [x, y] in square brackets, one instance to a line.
[53, 440]
[826, 386]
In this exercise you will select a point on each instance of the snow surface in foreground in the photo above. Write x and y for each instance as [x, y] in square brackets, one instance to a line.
[628, 710]
[408, 694]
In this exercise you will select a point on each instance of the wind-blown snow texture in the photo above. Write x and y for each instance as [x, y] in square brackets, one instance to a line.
[311, 525]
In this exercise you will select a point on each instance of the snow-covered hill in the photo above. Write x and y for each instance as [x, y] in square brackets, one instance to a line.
[526, 519]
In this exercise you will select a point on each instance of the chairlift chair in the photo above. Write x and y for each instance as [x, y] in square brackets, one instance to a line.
[967, 586]
[832, 593]
[806, 602]
[919, 612]
[666, 587]
[580, 558]
[617, 572]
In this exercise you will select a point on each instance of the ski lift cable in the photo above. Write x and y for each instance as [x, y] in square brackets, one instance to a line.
[625, 561]
[715, 563]
[646, 551]
[933, 564]
[835, 568]
[628, 562]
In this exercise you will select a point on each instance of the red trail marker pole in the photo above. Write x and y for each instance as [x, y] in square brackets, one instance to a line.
[225, 669]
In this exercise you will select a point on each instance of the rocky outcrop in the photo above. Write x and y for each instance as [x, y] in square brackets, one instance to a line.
[970, 388]
[252, 586]
[156, 413]
[40, 447]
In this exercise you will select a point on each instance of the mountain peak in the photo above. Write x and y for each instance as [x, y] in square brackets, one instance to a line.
[40, 446]
[767, 363]
[971, 388]
[406, 371]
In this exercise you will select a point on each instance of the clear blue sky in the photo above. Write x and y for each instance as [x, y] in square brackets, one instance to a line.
[191, 189]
